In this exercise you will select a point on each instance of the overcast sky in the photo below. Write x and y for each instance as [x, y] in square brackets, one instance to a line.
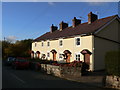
[23, 20]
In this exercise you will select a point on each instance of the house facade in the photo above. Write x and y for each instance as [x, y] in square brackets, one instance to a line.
[87, 42]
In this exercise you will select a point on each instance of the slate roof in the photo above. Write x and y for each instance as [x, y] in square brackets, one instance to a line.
[83, 28]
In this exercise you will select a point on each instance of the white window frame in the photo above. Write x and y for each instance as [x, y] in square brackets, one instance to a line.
[47, 43]
[60, 57]
[47, 54]
[35, 44]
[62, 42]
[35, 55]
[42, 43]
[42, 54]
[76, 41]
[77, 56]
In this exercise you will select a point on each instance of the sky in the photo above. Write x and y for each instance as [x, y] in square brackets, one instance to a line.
[29, 20]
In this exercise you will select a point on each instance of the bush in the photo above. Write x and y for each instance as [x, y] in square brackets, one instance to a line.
[72, 64]
[112, 63]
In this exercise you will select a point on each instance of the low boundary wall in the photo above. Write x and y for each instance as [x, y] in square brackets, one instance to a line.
[113, 82]
[61, 71]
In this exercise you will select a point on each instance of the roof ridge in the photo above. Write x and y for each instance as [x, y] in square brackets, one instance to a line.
[78, 30]
[96, 20]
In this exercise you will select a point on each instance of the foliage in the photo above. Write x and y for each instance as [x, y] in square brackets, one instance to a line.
[72, 64]
[18, 49]
[112, 63]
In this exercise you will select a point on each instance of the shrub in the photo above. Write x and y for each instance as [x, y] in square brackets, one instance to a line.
[85, 67]
[72, 64]
[112, 63]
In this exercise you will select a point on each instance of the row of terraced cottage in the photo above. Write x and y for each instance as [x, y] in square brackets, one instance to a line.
[87, 42]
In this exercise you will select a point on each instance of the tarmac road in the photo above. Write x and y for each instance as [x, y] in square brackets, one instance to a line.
[35, 79]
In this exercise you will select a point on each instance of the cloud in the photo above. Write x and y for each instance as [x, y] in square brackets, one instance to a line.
[11, 38]
[51, 3]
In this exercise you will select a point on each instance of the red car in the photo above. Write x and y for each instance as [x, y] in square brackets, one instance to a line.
[20, 64]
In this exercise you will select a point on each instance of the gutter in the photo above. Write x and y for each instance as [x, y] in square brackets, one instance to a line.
[62, 37]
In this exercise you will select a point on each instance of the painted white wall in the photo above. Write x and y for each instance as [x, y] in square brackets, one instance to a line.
[68, 44]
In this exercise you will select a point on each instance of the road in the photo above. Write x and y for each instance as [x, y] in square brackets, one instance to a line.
[35, 79]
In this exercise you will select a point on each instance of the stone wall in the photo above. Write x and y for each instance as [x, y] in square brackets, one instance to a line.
[113, 82]
[71, 71]
[61, 71]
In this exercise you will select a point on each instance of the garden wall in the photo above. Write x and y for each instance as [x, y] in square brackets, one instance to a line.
[112, 63]
[113, 82]
[61, 71]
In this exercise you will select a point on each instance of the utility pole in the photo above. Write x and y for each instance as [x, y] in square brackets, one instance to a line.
[4, 39]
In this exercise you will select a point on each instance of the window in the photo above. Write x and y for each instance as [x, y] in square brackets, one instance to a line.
[35, 55]
[77, 57]
[48, 54]
[43, 56]
[60, 56]
[35, 44]
[77, 41]
[42, 44]
[60, 42]
[48, 43]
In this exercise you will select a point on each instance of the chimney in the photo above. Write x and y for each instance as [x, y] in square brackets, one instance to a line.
[92, 17]
[63, 25]
[53, 28]
[75, 22]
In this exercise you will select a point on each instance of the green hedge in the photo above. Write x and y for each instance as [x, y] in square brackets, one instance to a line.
[112, 63]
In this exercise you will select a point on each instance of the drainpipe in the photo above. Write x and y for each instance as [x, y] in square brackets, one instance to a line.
[93, 52]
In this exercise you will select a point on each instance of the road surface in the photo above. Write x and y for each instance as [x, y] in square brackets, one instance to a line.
[35, 79]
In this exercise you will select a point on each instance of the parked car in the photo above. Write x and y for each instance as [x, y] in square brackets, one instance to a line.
[9, 61]
[20, 64]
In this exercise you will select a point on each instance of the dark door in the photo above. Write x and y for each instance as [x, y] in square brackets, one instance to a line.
[87, 58]
[54, 56]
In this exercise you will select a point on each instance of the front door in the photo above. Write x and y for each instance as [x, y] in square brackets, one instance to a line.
[87, 58]
[54, 56]
[87, 61]
[68, 58]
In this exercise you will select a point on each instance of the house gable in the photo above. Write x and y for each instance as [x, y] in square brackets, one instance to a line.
[104, 41]
[110, 31]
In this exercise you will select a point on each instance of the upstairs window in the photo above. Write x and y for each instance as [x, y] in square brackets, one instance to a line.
[60, 56]
[60, 42]
[35, 44]
[77, 41]
[77, 57]
[48, 44]
[48, 54]
[42, 44]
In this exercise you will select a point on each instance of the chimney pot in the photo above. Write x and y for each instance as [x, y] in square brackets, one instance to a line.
[53, 28]
[76, 22]
[92, 17]
[63, 25]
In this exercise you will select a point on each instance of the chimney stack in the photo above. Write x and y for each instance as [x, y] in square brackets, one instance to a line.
[75, 22]
[53, 28]
[92, 17]
[63, 25]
